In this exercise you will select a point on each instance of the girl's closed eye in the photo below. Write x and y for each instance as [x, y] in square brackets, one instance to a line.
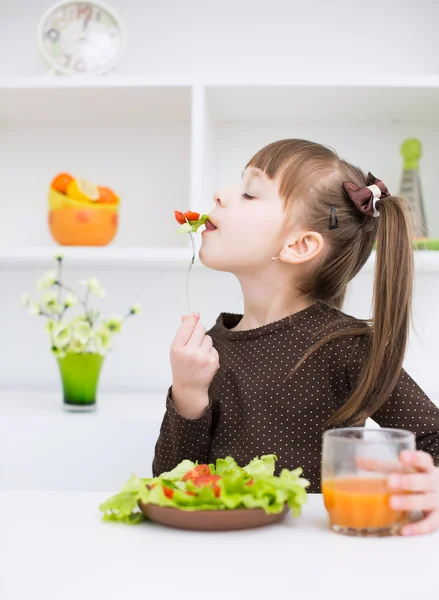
[248, 197]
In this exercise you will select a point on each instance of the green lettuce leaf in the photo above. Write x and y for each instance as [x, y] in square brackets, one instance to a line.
[224, 464]
[262, 466]
[177, 473]
[122, 507]
[192, 226]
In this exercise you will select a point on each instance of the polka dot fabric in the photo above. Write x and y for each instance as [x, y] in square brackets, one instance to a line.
[254, 408]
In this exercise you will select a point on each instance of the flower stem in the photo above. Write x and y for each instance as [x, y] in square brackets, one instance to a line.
[59, 278]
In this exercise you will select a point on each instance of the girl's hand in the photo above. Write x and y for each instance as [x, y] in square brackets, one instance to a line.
[419, 491]
[194, 363]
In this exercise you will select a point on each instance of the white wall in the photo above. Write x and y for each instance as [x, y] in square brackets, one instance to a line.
[250, 36]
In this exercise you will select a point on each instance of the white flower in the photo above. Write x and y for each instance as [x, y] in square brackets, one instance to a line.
[81, 332]
[136, 309]
[49, 325]
[25, 300]
[94, 286]
[114, 323]
[102, 339]
[61, 335]
[34, 309]
[70, 300]
[47, 280]
[76, 346]
[50, 303]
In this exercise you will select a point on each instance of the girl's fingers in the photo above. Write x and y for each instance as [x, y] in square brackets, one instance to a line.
[418, 482]
[197, 336]
[185, 330]
[207, 343]
[427, 525]
[426, 502]
[421, 461]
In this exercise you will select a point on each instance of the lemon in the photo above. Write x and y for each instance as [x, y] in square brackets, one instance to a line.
[83, 190]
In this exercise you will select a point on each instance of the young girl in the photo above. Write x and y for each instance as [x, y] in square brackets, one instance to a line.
[296, 229]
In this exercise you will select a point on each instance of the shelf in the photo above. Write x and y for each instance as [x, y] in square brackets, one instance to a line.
[325, 99]
[95, 99]
[316, 98]
[107, 257]
[112, 256]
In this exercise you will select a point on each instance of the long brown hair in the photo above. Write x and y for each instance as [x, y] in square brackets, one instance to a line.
[313, 175]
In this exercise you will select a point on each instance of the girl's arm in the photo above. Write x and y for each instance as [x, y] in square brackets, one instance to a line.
[181, 438]
[186, 428]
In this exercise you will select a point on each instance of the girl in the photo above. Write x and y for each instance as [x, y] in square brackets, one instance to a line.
[295, 231]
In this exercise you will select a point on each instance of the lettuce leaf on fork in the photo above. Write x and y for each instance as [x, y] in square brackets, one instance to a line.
[193, 226]
[252, 486]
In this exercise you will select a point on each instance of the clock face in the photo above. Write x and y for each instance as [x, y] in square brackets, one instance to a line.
[80, 37]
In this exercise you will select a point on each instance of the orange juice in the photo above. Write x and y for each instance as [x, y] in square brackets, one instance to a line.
[359, 503]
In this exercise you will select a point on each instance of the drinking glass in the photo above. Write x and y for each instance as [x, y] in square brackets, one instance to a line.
[356, 464]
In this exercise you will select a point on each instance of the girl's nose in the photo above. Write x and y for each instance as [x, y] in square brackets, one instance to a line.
[218, 199]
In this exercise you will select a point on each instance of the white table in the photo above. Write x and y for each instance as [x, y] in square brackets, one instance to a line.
[53, 546]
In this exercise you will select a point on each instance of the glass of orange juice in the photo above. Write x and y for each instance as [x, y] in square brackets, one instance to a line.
[356, 464]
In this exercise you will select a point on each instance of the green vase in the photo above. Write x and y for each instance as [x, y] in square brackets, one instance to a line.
[80, 377]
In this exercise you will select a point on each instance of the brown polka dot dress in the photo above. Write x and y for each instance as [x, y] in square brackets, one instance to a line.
[255, 409]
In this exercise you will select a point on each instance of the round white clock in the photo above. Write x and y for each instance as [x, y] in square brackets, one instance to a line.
[81, 37]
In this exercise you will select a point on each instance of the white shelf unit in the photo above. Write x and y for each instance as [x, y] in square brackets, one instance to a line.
[364, 119]
[167, 142]
[135, 258]
[111, 257]
[132, 134]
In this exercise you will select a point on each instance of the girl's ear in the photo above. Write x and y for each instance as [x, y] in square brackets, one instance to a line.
[301, 246]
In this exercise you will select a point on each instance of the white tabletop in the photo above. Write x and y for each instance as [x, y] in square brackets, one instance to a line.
[54, 546]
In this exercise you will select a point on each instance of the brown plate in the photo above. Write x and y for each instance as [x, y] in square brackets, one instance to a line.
[211, 520]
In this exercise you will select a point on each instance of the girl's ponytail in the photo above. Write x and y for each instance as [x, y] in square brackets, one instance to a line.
[392, 307]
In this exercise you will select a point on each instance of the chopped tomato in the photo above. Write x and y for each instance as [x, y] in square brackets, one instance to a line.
[168, 492]
[190, 493]
[208, 480]
[191, 216]
[179, 217]
[250, 482]
[196, 472]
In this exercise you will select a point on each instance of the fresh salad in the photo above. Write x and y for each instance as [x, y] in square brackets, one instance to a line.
[220, 486]
[190, 221]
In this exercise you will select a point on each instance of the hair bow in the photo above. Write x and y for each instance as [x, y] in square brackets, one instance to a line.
[365, 198]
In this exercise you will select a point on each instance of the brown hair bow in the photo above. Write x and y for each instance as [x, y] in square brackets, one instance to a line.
[365, 198]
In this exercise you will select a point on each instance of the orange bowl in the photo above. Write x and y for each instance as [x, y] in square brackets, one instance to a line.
[75, 223]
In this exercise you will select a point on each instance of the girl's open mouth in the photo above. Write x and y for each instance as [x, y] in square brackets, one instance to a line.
[209, 226]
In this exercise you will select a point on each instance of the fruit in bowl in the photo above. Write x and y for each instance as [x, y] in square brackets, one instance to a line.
[82, 213]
